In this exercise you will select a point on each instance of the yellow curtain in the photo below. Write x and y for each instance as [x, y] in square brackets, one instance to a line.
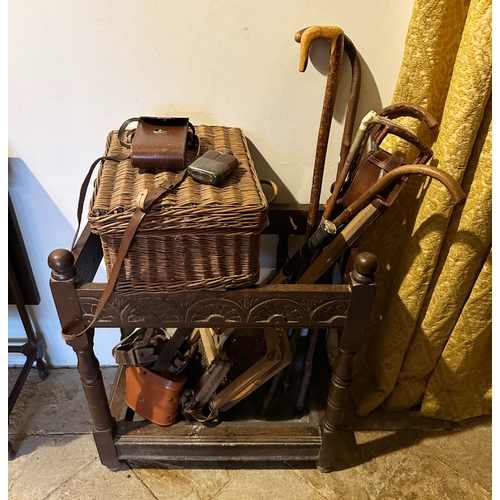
[429, 340]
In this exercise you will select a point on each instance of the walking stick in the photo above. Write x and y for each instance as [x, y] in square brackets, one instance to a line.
[327, 230]
[352, 101]
[333, 251]
[306, 37]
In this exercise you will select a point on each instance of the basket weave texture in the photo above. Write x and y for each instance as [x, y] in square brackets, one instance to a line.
[197, 236]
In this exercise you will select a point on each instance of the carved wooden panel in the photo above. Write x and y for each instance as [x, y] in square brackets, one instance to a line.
[267, 307]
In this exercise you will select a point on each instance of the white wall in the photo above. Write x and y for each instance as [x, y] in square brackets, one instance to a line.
[77, 70]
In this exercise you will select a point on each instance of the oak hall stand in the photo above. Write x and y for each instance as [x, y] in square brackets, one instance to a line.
[316, 435]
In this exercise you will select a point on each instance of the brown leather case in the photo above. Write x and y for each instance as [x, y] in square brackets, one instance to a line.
[153, 397]
[160, 143]
[366, 173]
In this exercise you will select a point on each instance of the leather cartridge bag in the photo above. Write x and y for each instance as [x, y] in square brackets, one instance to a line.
[376, 163]
[154, 393]
[155, 397]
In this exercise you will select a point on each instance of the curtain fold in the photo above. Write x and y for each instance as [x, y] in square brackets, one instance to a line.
[460, 385]
[434, 258]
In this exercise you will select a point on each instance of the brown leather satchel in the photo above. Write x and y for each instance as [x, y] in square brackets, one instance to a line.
[159, 143]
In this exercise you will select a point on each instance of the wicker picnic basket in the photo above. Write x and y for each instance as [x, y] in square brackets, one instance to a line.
[197, 236]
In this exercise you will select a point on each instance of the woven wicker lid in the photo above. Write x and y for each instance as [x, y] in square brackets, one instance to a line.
[238, 203]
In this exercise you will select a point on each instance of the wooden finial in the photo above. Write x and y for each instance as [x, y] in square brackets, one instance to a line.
[365, 267]
[62, 263]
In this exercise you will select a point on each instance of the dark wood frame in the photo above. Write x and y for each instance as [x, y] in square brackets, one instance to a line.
[22, 292]
[345, 307]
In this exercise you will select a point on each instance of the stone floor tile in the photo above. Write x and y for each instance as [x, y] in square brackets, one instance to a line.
[377, 456]
[54, 405]
[381, 420]
[97, 482]
[43, 463]
[56, 458]
[264, 484]
[468, 452]
[422, 476]
[186, 481]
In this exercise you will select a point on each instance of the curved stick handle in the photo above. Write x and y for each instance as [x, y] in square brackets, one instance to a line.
[308, 35]
[425, 153]
[414, 110]
[456, 192]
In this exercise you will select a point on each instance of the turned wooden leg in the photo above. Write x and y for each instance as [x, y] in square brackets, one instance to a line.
[32, 349]
[62, 285]
[93, 385]
[338, 447]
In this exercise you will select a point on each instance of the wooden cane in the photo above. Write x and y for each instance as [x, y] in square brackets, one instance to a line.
[329, 229]
[306, 37]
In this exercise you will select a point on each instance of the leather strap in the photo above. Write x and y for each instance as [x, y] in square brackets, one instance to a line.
[143, 204]
[199, 414]
[131, 349]
[142, 209]
[170, 349]
[83, 191]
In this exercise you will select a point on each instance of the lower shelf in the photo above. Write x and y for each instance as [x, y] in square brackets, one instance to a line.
[231, 445]
[242, 434]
